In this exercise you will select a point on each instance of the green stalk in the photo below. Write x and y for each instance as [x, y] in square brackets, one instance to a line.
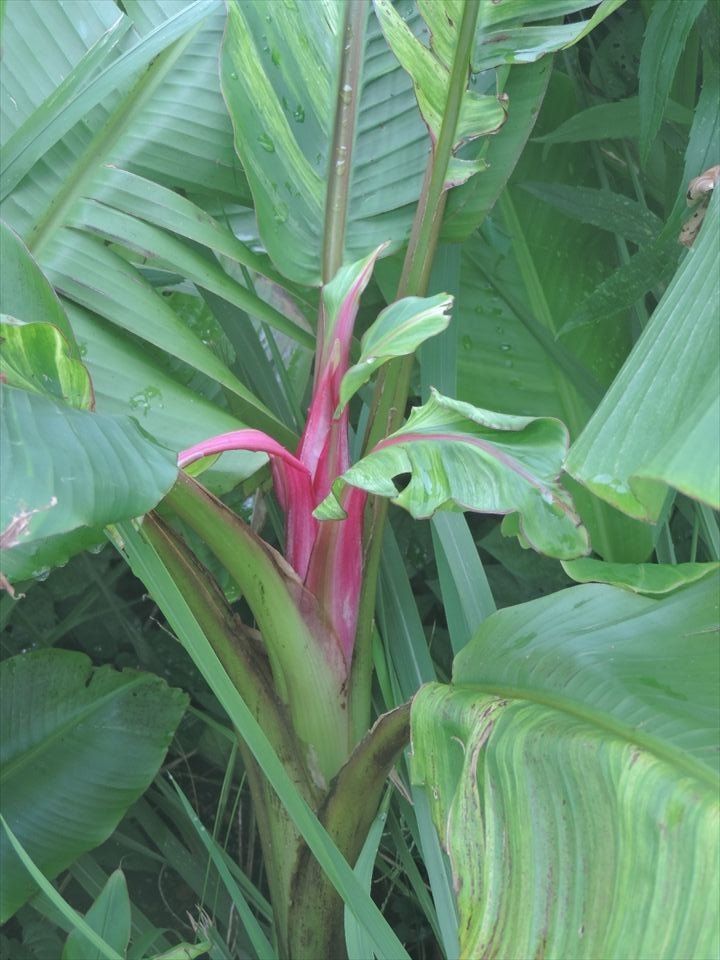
[316, 918]
[246, 664]
[309, 672]
[393, 384]
[238, 650]
[338, 189]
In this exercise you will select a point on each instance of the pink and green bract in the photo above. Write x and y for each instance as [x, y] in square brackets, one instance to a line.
[327, 556]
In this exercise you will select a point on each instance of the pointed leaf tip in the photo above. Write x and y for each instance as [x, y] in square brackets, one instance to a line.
[398, 331]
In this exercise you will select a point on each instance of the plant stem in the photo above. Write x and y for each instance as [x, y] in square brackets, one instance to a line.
[316, 917]
[240, 653]
[308, 667]
[393, 384]
[338, 189]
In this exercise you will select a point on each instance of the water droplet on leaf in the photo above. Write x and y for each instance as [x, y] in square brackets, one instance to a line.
[266, 143]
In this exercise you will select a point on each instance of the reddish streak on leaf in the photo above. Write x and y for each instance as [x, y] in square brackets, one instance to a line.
[490, 448]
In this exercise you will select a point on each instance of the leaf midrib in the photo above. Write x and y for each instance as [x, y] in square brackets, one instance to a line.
[12, 767]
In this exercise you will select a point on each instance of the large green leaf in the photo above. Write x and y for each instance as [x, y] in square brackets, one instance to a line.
[651, 579]
[280, 67]
[658, 425]
[462, 458]
[64, 469]
[79, 746]
[571, 769]
[114, 119]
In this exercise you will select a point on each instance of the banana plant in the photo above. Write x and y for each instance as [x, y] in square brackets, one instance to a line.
[342, 143]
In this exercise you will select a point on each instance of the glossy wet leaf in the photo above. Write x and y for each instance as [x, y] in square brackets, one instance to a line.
[65, 469]
[25, 292]
[430, 68]
[279, 76]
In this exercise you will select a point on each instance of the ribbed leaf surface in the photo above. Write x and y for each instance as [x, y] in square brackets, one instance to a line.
[572, 773]
[657, 426]
[79, 746]
[63, 469]
[280, 65]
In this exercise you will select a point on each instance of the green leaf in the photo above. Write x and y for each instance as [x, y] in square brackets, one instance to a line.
[650, 579]
[80, 746]
[468, 205]
[131, 380]
[279, 68]
[600, 208]
[520, 280]
[462, 458]
[60, 910]
[657, 426]
[645, 270]
[67, 104]
[25, 292]
[185, 951]
[159, 245]
[109, 916]
[522, 44]
[570, 769]
[667, 30]
[257, 937]
[35, 356]
[64, 469]
[147, 564]
[398, 332]
[619, 120]
[60, 187]
[430, 68]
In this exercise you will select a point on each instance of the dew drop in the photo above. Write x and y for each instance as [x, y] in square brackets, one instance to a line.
[346, 93]
[505, 347]
[299, 114]
[467, 343]
[275, 56]
[266, 143]
[280, 213]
